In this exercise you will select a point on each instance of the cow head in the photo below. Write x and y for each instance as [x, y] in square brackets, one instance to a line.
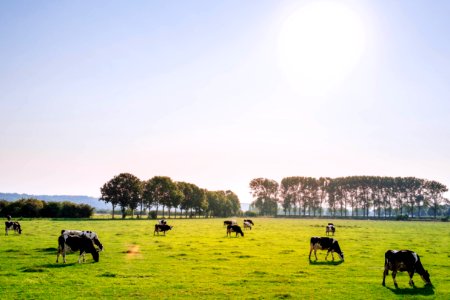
[97, 242]
[17, 227]
[95, 256]
[341, 255]
[426, 277]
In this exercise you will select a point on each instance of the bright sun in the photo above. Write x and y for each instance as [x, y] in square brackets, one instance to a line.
[319, 45]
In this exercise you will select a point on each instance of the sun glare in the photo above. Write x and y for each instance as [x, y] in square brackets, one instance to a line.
[319, 45]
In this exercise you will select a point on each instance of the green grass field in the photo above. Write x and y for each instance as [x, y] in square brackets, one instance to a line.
[197, 260]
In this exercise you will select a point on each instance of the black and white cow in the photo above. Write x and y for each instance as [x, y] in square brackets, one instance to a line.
[12, 225]
[404, 260]
[162, 228]
[325, 243]
[229, 222]
[89, 234]
[72, 243]
[247, 225]
[234, 228]
[249, 221]
[330, 229]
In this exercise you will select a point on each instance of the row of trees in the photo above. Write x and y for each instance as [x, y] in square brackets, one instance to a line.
[355, 196]
[34, 208]
[129, 193]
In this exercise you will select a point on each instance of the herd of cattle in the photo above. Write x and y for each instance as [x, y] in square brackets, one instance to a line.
[88, 242]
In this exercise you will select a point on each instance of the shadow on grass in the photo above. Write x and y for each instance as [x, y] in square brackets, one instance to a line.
[325, 263]
[59, 265]
[51, 249]
[424, 291]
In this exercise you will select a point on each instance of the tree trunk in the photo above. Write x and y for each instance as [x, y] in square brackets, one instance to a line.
[113, 206]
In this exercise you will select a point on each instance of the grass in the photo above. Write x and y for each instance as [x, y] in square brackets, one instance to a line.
[197, 260]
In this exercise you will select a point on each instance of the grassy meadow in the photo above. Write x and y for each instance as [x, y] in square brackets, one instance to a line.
[197, 260]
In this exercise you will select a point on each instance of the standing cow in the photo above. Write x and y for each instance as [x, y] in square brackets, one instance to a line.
[162, 228]
[87, 233]
[404, 260]
[247, 225]
[330, 229]
[12, 225]
[325, 243]
[234, 228]
[72, 243]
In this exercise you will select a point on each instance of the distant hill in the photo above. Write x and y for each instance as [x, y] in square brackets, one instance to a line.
[94, 202]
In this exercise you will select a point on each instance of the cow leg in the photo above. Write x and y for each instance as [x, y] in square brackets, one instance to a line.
[315, 253]
[385, 273]
[58, 254]
[6, 231]
[64, 255]
[411, 274]
[328, 252]
[394, 273]
[332, 256]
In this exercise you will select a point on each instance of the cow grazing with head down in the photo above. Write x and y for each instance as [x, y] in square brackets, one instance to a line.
[162, 228]
[249, 221]
[12, 225]
[229, 222]
[325, 243]
[404, 260]
[72, 243]
[330, 229]
[247, 225]
[234, 228]
[89, 234]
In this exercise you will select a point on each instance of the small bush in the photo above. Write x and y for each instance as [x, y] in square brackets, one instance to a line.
[250, 214]
[152, 215]
[402, 218]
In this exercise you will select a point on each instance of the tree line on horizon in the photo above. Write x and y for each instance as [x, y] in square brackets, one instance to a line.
[35, 208]
[129, 193]
[349, 196]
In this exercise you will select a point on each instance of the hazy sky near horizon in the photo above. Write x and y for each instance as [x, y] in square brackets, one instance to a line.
[217, 93]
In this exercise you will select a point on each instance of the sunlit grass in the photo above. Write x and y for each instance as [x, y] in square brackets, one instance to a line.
[197, 260]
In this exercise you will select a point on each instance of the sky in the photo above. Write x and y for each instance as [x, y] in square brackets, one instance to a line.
[217, 93]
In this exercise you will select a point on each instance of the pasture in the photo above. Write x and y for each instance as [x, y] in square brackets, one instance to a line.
[197, 260]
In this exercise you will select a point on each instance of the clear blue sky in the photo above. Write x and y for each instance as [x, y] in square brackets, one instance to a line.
[220, 92]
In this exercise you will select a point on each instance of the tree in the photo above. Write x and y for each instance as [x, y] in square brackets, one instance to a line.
[233, 202]
[188, 193]
[266, 193]
[161, 190]
[434, 193]
[124, 190]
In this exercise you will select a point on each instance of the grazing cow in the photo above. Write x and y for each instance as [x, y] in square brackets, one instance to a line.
[12, 225]
[72, 243]
[249, 221]
[162, 228]
[247, 225]
[330, 229]
[404, 260]
[229, 222]
[325, 243]
[234, 228]
[89, 234]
